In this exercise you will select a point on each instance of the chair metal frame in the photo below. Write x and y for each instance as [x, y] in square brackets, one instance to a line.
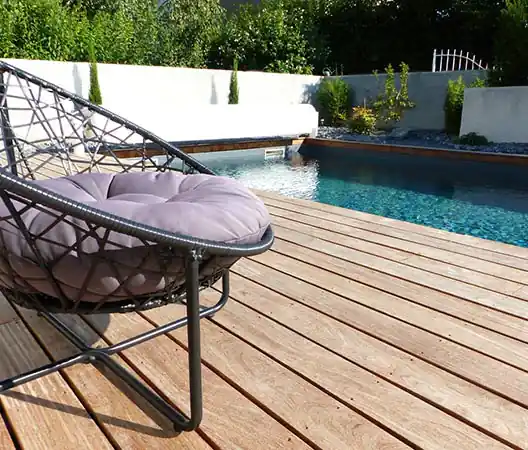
[22, 161]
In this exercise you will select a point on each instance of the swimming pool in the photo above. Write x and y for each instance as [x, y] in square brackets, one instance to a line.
[479, 199]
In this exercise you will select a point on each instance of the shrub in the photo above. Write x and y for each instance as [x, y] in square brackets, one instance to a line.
[478, 83]
[233, 85]
[362, 120]
[454, 103]
[391, 104]
[334, 98]
[473, 139]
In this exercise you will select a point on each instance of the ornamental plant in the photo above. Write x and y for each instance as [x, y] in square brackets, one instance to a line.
[454, 102]
[362, 120]
[334, 98]
[391, 104]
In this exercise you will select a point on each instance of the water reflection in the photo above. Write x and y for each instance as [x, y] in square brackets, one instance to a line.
[480, 201]
[298, 177]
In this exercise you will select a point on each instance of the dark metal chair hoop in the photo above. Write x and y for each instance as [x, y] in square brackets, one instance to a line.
[48, 132]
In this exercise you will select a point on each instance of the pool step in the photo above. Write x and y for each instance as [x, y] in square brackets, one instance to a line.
[272, 153]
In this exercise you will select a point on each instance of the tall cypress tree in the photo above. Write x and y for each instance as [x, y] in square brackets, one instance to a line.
[95, 90]
[233, 85]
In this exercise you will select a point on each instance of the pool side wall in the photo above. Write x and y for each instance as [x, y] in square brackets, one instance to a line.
[317, 145]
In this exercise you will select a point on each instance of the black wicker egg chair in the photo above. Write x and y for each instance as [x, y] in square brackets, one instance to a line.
[100, 216]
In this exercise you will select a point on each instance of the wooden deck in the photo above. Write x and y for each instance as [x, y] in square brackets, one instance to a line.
[354, 332]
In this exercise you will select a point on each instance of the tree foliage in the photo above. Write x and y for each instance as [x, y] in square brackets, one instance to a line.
[123, 31]
[264, 37]
[294, 36]
[511, 44]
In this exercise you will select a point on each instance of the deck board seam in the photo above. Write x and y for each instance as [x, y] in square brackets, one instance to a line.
[391, 344]
[203, 435]
[403, 240]
[447, 338]
[411, 254]
[344, 402]
[6, 421]
[372, 372]
[69, 382]
[241, 390]
[397, 347]
[458, 280]
[132, 365]
[519, 287]
[473, 303]
[313, 205]
[465, 299]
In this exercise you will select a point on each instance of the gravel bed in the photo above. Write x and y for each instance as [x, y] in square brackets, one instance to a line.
[422, 138]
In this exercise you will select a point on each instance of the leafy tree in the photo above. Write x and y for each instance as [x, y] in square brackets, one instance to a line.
[188, 31]
[264, 37]
[92, 7]
[294, 36]
[511, 58]
[475, 22]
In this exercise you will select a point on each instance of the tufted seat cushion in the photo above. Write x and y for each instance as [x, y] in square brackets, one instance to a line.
[203, 206]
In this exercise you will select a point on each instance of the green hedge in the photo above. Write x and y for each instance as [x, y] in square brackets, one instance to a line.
[293, 36]
[133, 32]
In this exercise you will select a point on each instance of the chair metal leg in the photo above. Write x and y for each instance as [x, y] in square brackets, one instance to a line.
[103, 355]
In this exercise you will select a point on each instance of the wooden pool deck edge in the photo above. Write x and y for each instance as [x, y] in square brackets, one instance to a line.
[219, 146]
[466, 155]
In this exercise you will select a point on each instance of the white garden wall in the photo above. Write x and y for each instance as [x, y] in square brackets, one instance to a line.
[500, 114]
[182, 104]
[191, 104]
[174, 86]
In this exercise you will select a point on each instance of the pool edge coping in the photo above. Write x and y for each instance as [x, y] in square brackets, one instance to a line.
[505, 158]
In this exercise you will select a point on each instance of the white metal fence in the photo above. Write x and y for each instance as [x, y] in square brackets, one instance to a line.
[450, 60]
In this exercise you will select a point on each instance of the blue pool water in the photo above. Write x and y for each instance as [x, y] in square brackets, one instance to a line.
[479, 199]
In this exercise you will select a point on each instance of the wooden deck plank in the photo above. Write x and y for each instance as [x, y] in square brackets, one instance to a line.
[381, 312]
[324, 421]
[436, 274]
[457, 243]
[370, 344]
[131, 426]
[45, 165]
[45, 413]
[420, 315]
[6, 443]
[472, 365]
[441, 302]
[419, 422]
[466, 268]
[341, 256]
[230, 419]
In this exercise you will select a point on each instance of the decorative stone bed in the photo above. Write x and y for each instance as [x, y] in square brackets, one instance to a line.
[421, 138]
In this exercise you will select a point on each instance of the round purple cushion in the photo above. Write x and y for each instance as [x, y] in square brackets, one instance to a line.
[203, 206]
